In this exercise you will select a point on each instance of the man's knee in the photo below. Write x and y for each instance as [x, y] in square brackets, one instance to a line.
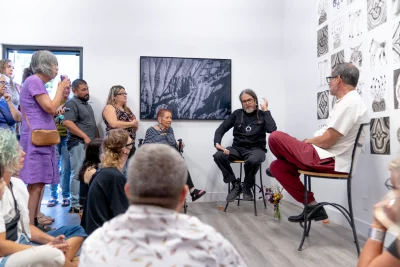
[274, 136]
[219, 155]
[37, 256]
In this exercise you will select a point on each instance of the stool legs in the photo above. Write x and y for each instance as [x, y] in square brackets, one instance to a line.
[353, 227]
[306, 227]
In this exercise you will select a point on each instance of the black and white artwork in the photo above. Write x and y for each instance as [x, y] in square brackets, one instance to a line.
[337, 58]
[324, 71]
[396, 43]
[355, 24]
[396, 88]
[380, 136]
[322, 11]
[337, 5]
[322, 41]
[395, 7]
[376, 13]
[337, 32]
[359, 87]
[356, 56]
[192, 88]
[323, 105]
[378, 52]
[378, 92]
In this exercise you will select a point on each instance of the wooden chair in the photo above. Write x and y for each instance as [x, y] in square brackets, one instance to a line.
[253, 189]
[348, 214]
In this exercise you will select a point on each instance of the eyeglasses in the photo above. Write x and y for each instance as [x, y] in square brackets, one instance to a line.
[122, 94]
[3, 82]
[389, 185]
[130, 144]
[328, 79]
[248, 101]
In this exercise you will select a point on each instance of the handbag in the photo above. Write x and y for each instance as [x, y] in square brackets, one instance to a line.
[42, 137]
[12, 227]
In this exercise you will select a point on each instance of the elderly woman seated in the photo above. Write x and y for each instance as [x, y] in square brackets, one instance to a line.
[162, 133]
[21, 243]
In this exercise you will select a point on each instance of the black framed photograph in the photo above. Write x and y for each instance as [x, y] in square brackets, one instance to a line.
[192, 88]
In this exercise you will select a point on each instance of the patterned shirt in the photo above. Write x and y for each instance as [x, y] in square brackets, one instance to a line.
[154, 236]
[123, 116]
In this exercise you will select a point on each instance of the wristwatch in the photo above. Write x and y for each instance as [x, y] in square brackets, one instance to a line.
[376, 234]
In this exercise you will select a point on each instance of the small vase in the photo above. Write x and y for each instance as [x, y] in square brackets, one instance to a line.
[277, 212]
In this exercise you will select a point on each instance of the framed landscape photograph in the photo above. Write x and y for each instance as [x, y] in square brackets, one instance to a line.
[192, 88]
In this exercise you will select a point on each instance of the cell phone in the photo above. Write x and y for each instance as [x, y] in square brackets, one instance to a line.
[62, 77]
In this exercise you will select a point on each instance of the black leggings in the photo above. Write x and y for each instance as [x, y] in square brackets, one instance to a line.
[189, 181]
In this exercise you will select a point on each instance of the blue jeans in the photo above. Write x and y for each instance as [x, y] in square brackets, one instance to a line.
[65, 170]
[67, 231]
[77, 155]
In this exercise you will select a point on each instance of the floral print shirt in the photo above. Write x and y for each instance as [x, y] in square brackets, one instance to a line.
[153, 236]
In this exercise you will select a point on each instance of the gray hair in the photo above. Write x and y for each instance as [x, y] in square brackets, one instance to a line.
[9, 150]
[348, 73]
[156, 175]
[42, 62]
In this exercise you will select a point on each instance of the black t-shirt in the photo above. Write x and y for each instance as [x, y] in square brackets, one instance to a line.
[105, 200]
[394, 249]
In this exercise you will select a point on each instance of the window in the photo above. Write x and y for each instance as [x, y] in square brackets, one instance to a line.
[70, 62]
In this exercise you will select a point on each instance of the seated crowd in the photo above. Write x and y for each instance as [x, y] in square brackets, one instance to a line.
[130, 200]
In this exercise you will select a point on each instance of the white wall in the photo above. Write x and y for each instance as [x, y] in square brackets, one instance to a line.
[301, 85]
[115, 34]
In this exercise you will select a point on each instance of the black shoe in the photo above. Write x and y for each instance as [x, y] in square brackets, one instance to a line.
[269, 173]
[234, 193]
[73, 210]
[318, 215]
[247, 194]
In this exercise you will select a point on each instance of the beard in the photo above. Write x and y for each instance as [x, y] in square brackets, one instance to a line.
[85, 98]
[249, 110]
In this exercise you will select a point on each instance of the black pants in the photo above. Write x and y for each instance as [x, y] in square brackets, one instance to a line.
[252, 157]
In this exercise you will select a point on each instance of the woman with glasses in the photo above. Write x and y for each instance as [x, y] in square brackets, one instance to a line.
[373, 253]
[9, 114]
[116, 114]
[106, 197]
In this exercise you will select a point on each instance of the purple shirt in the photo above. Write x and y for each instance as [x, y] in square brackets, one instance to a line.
[40, 161]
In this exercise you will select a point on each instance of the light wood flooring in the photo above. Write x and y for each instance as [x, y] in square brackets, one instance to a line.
[262, 240]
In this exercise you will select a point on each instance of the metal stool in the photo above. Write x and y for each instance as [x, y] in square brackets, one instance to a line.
[348, 214]
[254, 188]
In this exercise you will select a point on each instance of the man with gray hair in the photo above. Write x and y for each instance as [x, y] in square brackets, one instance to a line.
[330, 149]
[152, 230]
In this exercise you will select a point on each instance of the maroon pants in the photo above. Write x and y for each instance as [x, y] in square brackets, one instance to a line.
[293, 155]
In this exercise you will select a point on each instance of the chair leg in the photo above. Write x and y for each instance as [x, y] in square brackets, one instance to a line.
[227, 203]
[353, 226]
[185, 207]
[254, 198]
[262, 188]
[305, 228]
[241, 166]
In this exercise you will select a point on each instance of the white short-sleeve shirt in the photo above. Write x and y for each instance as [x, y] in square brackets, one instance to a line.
[346, 117]
[7, 208]
[150, 235]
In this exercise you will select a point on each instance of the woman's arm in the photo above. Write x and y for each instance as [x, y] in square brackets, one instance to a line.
[111, 118]
[39, 236]
[8, 247]
[48, 105]
[14, 112]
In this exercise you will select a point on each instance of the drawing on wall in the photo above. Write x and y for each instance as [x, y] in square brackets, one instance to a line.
[380, 136]
[395, 7]
[323, 71]
[332, 101]
[337, 5]
[322, 11]
[378, 52]
[322, 41]
[396, 43]
[337, 58]
[396, 88]
[359, 87]
[376, 13]
[337, 32]
[192, 88]
[323, 105]
[355, 24]
[356, 56]
[378, 92]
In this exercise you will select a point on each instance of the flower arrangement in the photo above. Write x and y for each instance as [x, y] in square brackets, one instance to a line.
[274, 195]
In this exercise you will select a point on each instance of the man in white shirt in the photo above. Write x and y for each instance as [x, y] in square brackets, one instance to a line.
[152, 231]
[331, 148]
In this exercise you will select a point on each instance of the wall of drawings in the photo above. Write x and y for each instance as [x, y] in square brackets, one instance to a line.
[367, 34]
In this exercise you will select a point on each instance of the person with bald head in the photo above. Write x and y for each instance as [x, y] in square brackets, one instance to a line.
[152, 230]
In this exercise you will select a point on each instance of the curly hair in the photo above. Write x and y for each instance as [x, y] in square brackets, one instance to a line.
[112, 146]
[9, 150]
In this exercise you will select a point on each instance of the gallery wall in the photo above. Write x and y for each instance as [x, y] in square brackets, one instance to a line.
[115, 34]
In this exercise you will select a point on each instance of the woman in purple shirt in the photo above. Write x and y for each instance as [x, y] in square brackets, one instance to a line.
[40, 166]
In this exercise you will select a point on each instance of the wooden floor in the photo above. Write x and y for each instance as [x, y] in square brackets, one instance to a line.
[262, 240]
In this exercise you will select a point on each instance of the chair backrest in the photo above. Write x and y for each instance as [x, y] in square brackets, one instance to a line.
[140, 142]
[356, 146]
